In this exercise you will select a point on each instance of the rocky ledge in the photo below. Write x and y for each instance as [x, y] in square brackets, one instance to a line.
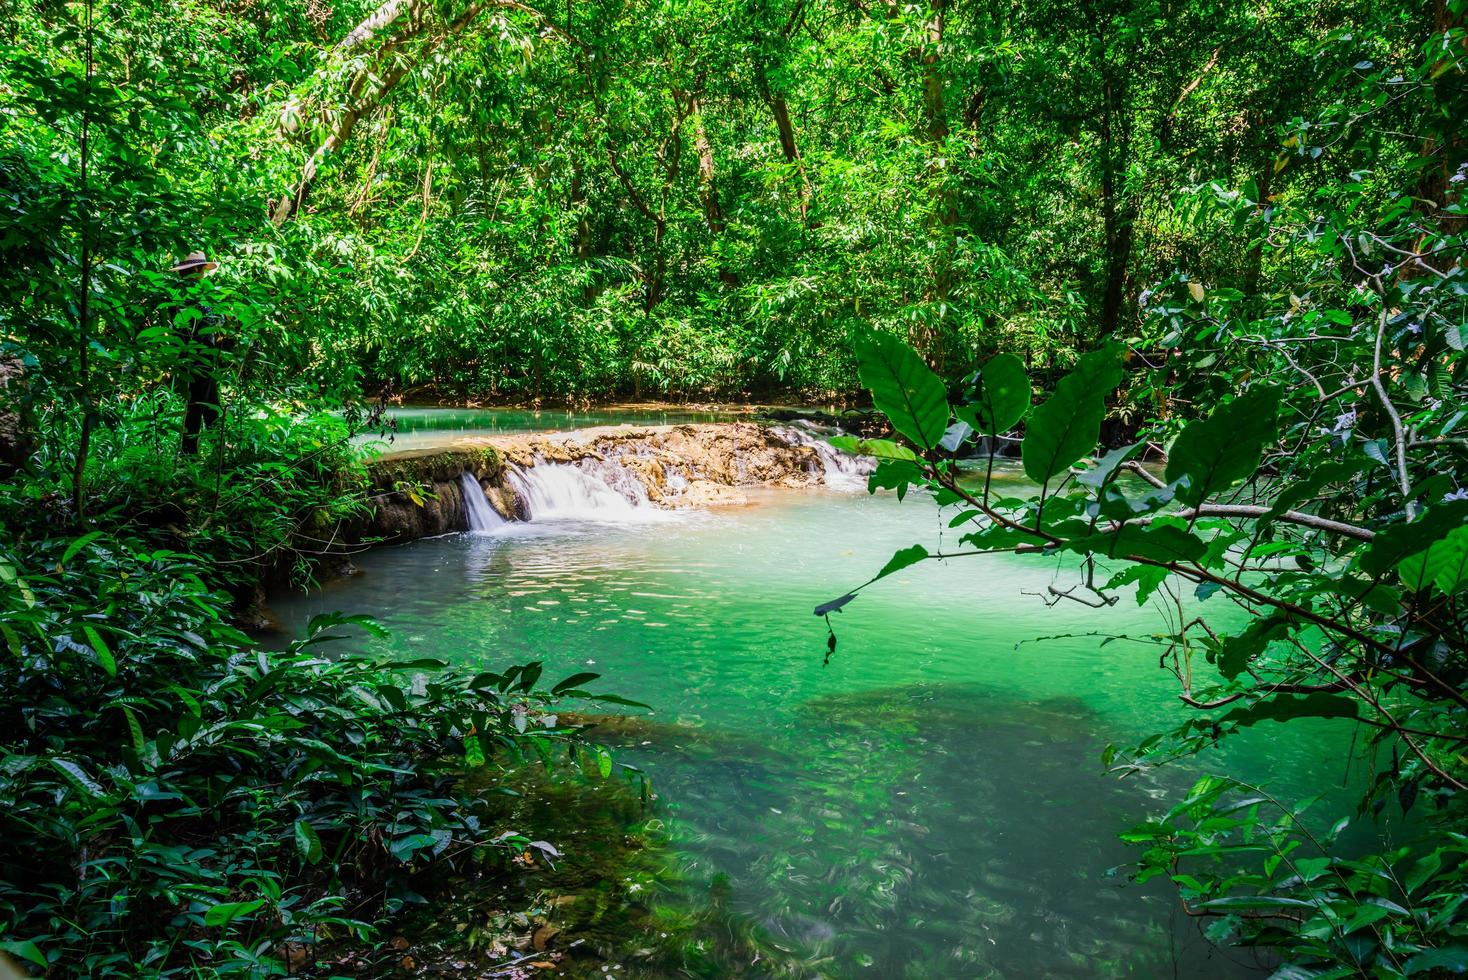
[420, 493]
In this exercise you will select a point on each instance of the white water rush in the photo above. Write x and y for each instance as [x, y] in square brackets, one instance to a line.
[842, 471]
[594, 490]
[482, 517]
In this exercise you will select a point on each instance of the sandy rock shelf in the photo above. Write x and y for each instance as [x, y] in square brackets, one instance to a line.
[417, 493]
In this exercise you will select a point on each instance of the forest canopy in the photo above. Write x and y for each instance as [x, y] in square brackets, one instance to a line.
[697, 199]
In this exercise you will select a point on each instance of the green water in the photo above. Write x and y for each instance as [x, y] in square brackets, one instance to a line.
[930, 804]
[418, 428]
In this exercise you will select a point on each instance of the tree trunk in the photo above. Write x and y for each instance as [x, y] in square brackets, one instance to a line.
[1448, 147]
[708, 187]
[16, 433]
[1118, 209]
[780, 109]
[583, 229]
[944, 221]
[708, 184]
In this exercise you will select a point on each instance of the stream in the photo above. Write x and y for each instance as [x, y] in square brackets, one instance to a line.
[929, 804]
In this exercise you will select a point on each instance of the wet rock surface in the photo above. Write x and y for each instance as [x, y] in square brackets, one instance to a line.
[419, 494]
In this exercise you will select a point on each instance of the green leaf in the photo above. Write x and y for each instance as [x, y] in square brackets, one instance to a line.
[606, 699]
[1404, 540]
[1451, 959]
[78, 777]
[1236, 652]
[135, 730]
[1162, 542]
[879, 448]
[834, 605]
[903, 388]
[902, 559]
[894, 474]
[1285, 707]
[78, 545]
[1062, 430]
[1149, 579]
[1067, 424]
[307, 842]
[226, 912]
[473, 751]
[1004, 397]
[997, 537]
[1444, 564]
[1096, 476]
[575, 680]
[405, 847]
[99, 647]
[26, 950]
[1213, 454]
[1298, 491]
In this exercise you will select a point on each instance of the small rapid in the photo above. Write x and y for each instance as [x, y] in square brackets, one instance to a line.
[592, 490]
[842, 470]
[611, 486]
[482, 517]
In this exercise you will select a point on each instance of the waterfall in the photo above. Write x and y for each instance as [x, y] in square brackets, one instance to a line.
[842, 470]
[482, 517]
[592, 490]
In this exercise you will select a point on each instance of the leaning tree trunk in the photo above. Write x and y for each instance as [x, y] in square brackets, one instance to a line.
[17, 438]
[708, 184]
[422, 32]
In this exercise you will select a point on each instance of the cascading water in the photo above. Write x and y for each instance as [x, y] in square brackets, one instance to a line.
[482, 517]
[593, 490]
[842, 470]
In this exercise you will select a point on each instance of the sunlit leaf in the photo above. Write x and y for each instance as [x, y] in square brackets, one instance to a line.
[903, 388]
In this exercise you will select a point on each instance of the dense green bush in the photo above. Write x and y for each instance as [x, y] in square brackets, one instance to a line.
[267, 496]
[182, 802]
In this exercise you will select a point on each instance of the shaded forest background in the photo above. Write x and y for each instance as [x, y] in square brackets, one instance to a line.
[683, 199]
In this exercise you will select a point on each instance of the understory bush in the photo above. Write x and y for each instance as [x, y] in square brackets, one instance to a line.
[182, 802]
[266, 496]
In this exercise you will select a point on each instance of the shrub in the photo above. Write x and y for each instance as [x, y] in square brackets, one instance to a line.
[180, 801]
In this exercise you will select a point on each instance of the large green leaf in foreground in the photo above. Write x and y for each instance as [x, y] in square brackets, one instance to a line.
[1003, 398]
[1066, 426]
[1219, 451]
[903, 388]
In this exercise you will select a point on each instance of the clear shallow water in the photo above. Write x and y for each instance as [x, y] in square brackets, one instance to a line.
[419, 428]
[930, 804]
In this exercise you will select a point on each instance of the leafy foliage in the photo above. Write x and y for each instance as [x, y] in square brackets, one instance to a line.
[179, 800]
[1324, 496]
[1002, 399]
[904, 389]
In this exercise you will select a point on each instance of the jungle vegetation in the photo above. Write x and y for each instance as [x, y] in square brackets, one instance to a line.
[1230, 235]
